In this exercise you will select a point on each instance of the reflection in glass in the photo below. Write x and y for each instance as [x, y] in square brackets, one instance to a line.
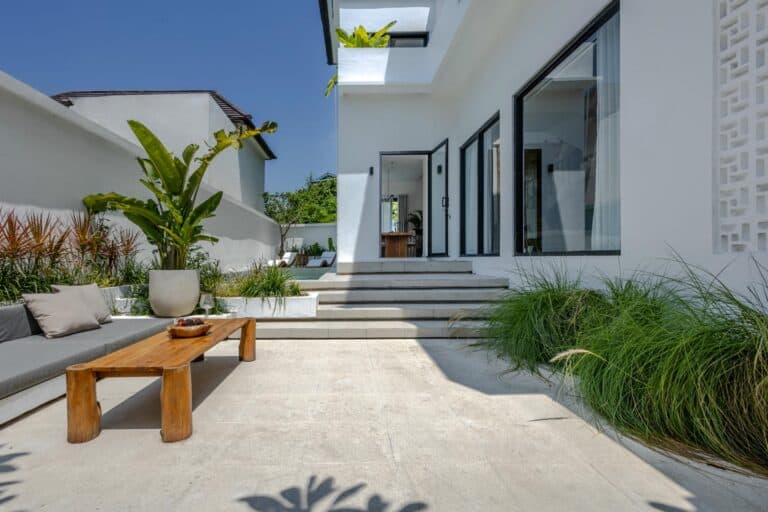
[571, 151]
[470, 190]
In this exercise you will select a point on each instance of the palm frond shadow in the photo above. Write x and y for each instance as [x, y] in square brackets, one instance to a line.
[7, 467]
[327, 495]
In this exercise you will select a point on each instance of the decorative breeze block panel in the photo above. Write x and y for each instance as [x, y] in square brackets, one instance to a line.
[741, 179]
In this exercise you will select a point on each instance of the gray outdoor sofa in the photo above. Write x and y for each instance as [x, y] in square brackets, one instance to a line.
[32, 366]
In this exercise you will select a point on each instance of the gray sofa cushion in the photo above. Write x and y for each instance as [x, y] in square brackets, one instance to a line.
[120, 332]
[60, 314]
[92, 298]
[28, 361]
[17, 322]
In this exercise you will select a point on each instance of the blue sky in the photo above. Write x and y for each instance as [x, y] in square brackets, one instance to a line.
[266, 56]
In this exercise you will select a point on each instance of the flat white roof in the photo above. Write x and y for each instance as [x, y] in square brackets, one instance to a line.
[409, 19]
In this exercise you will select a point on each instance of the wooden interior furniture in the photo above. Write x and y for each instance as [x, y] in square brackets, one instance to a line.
[159, 355]
[395, 244]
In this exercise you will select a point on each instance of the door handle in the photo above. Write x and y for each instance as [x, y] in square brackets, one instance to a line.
[444, 202]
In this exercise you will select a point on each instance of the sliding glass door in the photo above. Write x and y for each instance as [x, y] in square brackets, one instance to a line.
[438, 201]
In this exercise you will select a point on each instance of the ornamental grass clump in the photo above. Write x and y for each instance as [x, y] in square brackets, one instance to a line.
[538, 319]
[680, 363]
[268, 282]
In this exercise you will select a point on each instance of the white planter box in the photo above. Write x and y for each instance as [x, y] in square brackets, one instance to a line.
[290, 307]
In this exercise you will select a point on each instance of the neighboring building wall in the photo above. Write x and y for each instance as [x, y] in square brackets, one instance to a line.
[307, 234]
[239, 174]
[666, 140]
[52, 157]
[179, 120]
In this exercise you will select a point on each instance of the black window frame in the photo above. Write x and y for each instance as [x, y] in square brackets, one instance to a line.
[586, 33]
[395, 36]
[476, 137]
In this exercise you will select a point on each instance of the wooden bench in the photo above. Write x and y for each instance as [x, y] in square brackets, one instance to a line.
[158, 355]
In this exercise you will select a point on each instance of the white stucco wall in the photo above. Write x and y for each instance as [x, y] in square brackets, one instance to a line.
[179, 120]
[666, 139]
[50, 157]
[307, 234]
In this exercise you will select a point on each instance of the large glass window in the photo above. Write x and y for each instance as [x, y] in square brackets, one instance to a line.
[567, 161]
[480, 186]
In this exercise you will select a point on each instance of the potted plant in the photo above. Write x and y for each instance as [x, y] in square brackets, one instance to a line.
[173, 221]
[267, 292]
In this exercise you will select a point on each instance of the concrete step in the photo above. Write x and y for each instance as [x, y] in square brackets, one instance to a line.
[399, 266]
[378, 329]
[417, 311]
[394, 281]
[447, 295]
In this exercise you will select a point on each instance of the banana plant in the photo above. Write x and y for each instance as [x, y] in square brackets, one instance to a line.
[173, 220]
[360, 38]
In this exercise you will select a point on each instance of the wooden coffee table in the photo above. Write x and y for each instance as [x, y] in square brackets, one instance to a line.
[159, 355]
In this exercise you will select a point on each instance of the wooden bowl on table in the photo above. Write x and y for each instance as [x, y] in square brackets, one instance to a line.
[189, 331]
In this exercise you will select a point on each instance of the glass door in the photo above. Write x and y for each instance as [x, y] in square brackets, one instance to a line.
[438, 201]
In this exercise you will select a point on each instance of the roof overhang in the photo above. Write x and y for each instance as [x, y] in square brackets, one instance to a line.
[237, 116]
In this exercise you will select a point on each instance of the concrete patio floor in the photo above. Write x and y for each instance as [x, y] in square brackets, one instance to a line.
[417, 422]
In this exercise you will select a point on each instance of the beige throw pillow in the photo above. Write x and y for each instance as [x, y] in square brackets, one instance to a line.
[92, 298]
[60, 314]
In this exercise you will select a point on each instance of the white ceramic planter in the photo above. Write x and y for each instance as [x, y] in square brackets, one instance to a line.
[173, 293]
[304, 306]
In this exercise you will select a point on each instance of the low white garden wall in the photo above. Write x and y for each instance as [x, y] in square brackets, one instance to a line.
[307, 234]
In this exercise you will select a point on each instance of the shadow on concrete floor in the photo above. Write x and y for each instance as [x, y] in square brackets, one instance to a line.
[7, 467]
[326, 495]
[142, 410]
[478, 369]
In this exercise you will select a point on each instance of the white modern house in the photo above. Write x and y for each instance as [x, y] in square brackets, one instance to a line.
[53, 155]
[603, 134]
[179, 117]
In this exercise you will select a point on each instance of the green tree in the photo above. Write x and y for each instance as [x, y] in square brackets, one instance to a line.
[285, 209]
[313, 203]
[318, 199]
[360, 38]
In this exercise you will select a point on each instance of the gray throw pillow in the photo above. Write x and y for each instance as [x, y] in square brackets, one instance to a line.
[92, 298]
[60, 314]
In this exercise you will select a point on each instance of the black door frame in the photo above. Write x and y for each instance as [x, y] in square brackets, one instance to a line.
[445, 200]
[478, 138]
[428, 154]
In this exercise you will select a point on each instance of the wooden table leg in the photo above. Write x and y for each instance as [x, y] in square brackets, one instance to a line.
[83, 411]
[248, 341]
[176, 403]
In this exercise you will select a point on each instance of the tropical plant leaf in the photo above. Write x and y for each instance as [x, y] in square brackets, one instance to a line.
[161, 158]
[382, 32]
[204, 210]
[331, 84]
[361, 38]
[189, 153]
[148, 168]
[344, 38]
